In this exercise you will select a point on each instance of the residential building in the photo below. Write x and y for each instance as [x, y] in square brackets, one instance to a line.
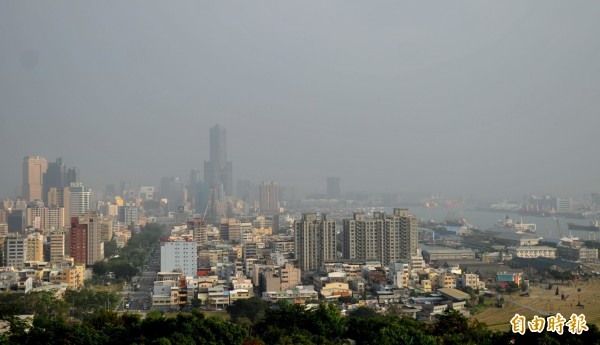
[382, 238]
[35, 247]
[57, 245]
[314, 241]
[15, 251]
[179, 255]
[78, 202]
[268, 193]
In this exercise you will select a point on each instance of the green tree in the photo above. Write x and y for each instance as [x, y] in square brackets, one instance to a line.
[252, 309]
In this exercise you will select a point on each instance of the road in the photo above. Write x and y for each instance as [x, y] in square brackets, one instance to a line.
[140, 298]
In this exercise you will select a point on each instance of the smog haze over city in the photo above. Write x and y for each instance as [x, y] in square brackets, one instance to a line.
[464, 98]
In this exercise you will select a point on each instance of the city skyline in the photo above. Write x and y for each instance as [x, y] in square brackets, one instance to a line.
[470, 99]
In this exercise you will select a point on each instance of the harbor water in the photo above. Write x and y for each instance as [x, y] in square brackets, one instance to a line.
[486, 219]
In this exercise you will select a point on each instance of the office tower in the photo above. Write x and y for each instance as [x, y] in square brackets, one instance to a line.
[129, 213]
[314, 241]
[110, 192]
[269, 197]
[35, 247]
[179, 255]
[15, 251]
[382, 238]
[34, 168]
[78, 200]
[73, 176]
[218, 172]
[55, 176]
[57, 245]
[195, 181]
[171, 188]
[333, 188]
[16, 220]
[147, 192]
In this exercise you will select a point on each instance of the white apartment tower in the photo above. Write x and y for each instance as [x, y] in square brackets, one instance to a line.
[79, 200]
[179, 255]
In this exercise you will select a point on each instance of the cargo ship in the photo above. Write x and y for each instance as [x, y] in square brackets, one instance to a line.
[594, 226]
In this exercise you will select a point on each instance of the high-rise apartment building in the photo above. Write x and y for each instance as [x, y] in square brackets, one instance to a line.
[314, 241]
[34, 168]
[86, 245]
[179, 255]
[78, 202]
[45, 218]
[95, 243]
[334, 190]
[57, 245]
[218, 172]
[15, 251]
[35, 247]
[129, 213]
[269, 197]
[383, 238]
[200, 231]
[78, 241]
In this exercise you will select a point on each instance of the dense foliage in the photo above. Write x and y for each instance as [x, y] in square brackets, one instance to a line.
[262, 323]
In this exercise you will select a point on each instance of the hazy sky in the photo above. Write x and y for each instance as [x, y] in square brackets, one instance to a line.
[461, 97]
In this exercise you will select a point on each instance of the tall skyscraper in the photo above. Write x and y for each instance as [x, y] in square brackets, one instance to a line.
[334, 190]
[218, 172]
[172, 189]
[34, 168]
[269, 197]
[383, 238]
[314, 241]
[55, 176]
[72, 176]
